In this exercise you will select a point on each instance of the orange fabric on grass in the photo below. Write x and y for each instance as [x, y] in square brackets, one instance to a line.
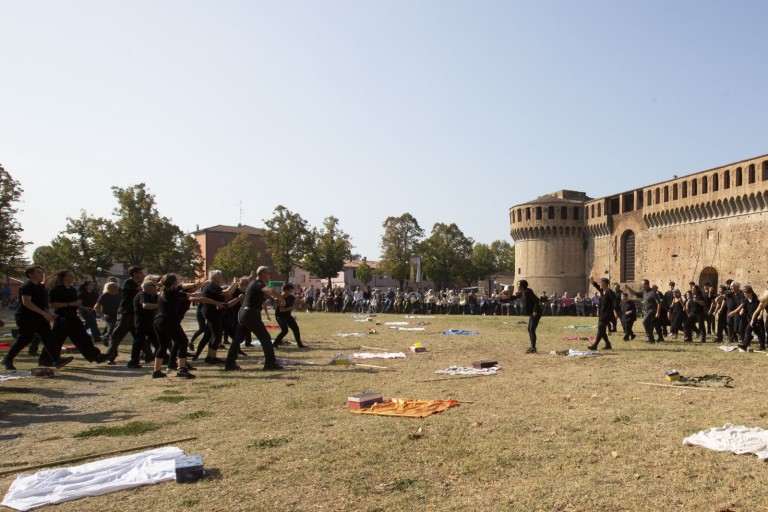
[408, 408]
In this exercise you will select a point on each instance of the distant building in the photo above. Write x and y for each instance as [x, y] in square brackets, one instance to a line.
[212, 239]
[348, 278]
[704, 227]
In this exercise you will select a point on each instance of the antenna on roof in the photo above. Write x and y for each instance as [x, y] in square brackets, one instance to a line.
[240, 221]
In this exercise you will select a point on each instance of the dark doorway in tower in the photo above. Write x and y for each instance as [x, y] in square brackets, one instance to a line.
[628, 257]
[708, 275]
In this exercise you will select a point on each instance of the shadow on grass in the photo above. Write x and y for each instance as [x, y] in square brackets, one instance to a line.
[24, 412]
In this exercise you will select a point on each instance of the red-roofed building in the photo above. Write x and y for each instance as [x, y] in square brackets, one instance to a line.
[214, 238]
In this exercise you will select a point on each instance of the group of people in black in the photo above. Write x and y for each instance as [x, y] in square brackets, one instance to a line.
[730, 311]
[150, 308]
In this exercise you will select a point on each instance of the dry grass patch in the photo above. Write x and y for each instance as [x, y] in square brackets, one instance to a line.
[546, 433]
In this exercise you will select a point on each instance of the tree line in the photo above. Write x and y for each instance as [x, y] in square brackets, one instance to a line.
[137, 234]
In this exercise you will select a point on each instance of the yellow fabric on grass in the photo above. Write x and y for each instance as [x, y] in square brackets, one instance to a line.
[408, 408]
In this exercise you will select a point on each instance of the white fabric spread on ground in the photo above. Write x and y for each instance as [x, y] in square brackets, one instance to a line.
[378, 355]
[726, 348]
[92, 479]
[417, 316]
[15, 375]
[347, 334]
[406, 328]
[395, 323]
[468, 370]
[572, 352]
[732, 438]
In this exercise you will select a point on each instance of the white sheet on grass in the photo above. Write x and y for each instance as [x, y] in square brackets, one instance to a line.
[468, 370]
[732, 438]
[378, 355]
[92, 479]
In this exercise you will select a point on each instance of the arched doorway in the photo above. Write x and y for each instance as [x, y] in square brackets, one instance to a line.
[708, 275]
[628, 257]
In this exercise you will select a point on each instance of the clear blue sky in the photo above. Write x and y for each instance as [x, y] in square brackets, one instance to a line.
[452, 111]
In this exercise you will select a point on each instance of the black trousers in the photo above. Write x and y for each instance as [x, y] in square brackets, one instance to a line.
[71, 327]
[170, 335]
[759, 329]
[27, 330]
[734, 328]
[285, 323]
[533, 323]
[651, 323]
[627, 325]
[237, 334]
[722, 325]
[214, 331]
[123, 327]
[602, 334]
[251, 320]
[145, 341]
[89, 319]
[695, 320]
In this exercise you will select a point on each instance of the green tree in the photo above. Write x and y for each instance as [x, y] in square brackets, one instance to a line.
[445, 254]
[287, 236]
[237, 258]
[328, 250]
[364, 272]
[398, 243]
[11, 244]
[90, 248]
[141, 236]
[483, 261]
[505, 255]
[56, 256]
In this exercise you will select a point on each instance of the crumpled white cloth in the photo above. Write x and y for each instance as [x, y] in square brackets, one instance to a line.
[417, 316]
[469, 370]
[395, 323]
[406, 328]
[15, 375]
[732, 438]
[378, 355]
[92, 479]
[348, 334]
[726, 348]
[572, 353]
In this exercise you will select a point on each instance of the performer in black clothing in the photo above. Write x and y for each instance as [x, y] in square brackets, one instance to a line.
[144, 310]
[720, 312]
[250, 314]
[88, 297]
[696, 311]
[171, 298]
[736, 324]
[232, 327]
[107, 307]
[605, 312]
[214, 316]
[126, 323]
[628, 315]
[200, 325]
[533, 308]
[758, 325]
[66, 324]
[651, 310]
[613, 325]
[709, 295]
[750, 306]
[677, 314]
[285, 319]
[33, 318]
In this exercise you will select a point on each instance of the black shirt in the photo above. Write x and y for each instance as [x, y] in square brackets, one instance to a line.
[254, 295]
[532, 302]
[605, 307]
[733, 301]
[143, 317]
[628, 307]
[230, 314]
[127, 293]
[212, 291]
[88, 299]
[169, 306]
[39, 296]
[290, 300]
[109, 304]
[61, 293]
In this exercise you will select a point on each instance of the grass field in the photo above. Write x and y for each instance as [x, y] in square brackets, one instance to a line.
[546, 433]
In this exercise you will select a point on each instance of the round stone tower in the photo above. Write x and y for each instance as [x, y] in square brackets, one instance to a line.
[549, 242]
